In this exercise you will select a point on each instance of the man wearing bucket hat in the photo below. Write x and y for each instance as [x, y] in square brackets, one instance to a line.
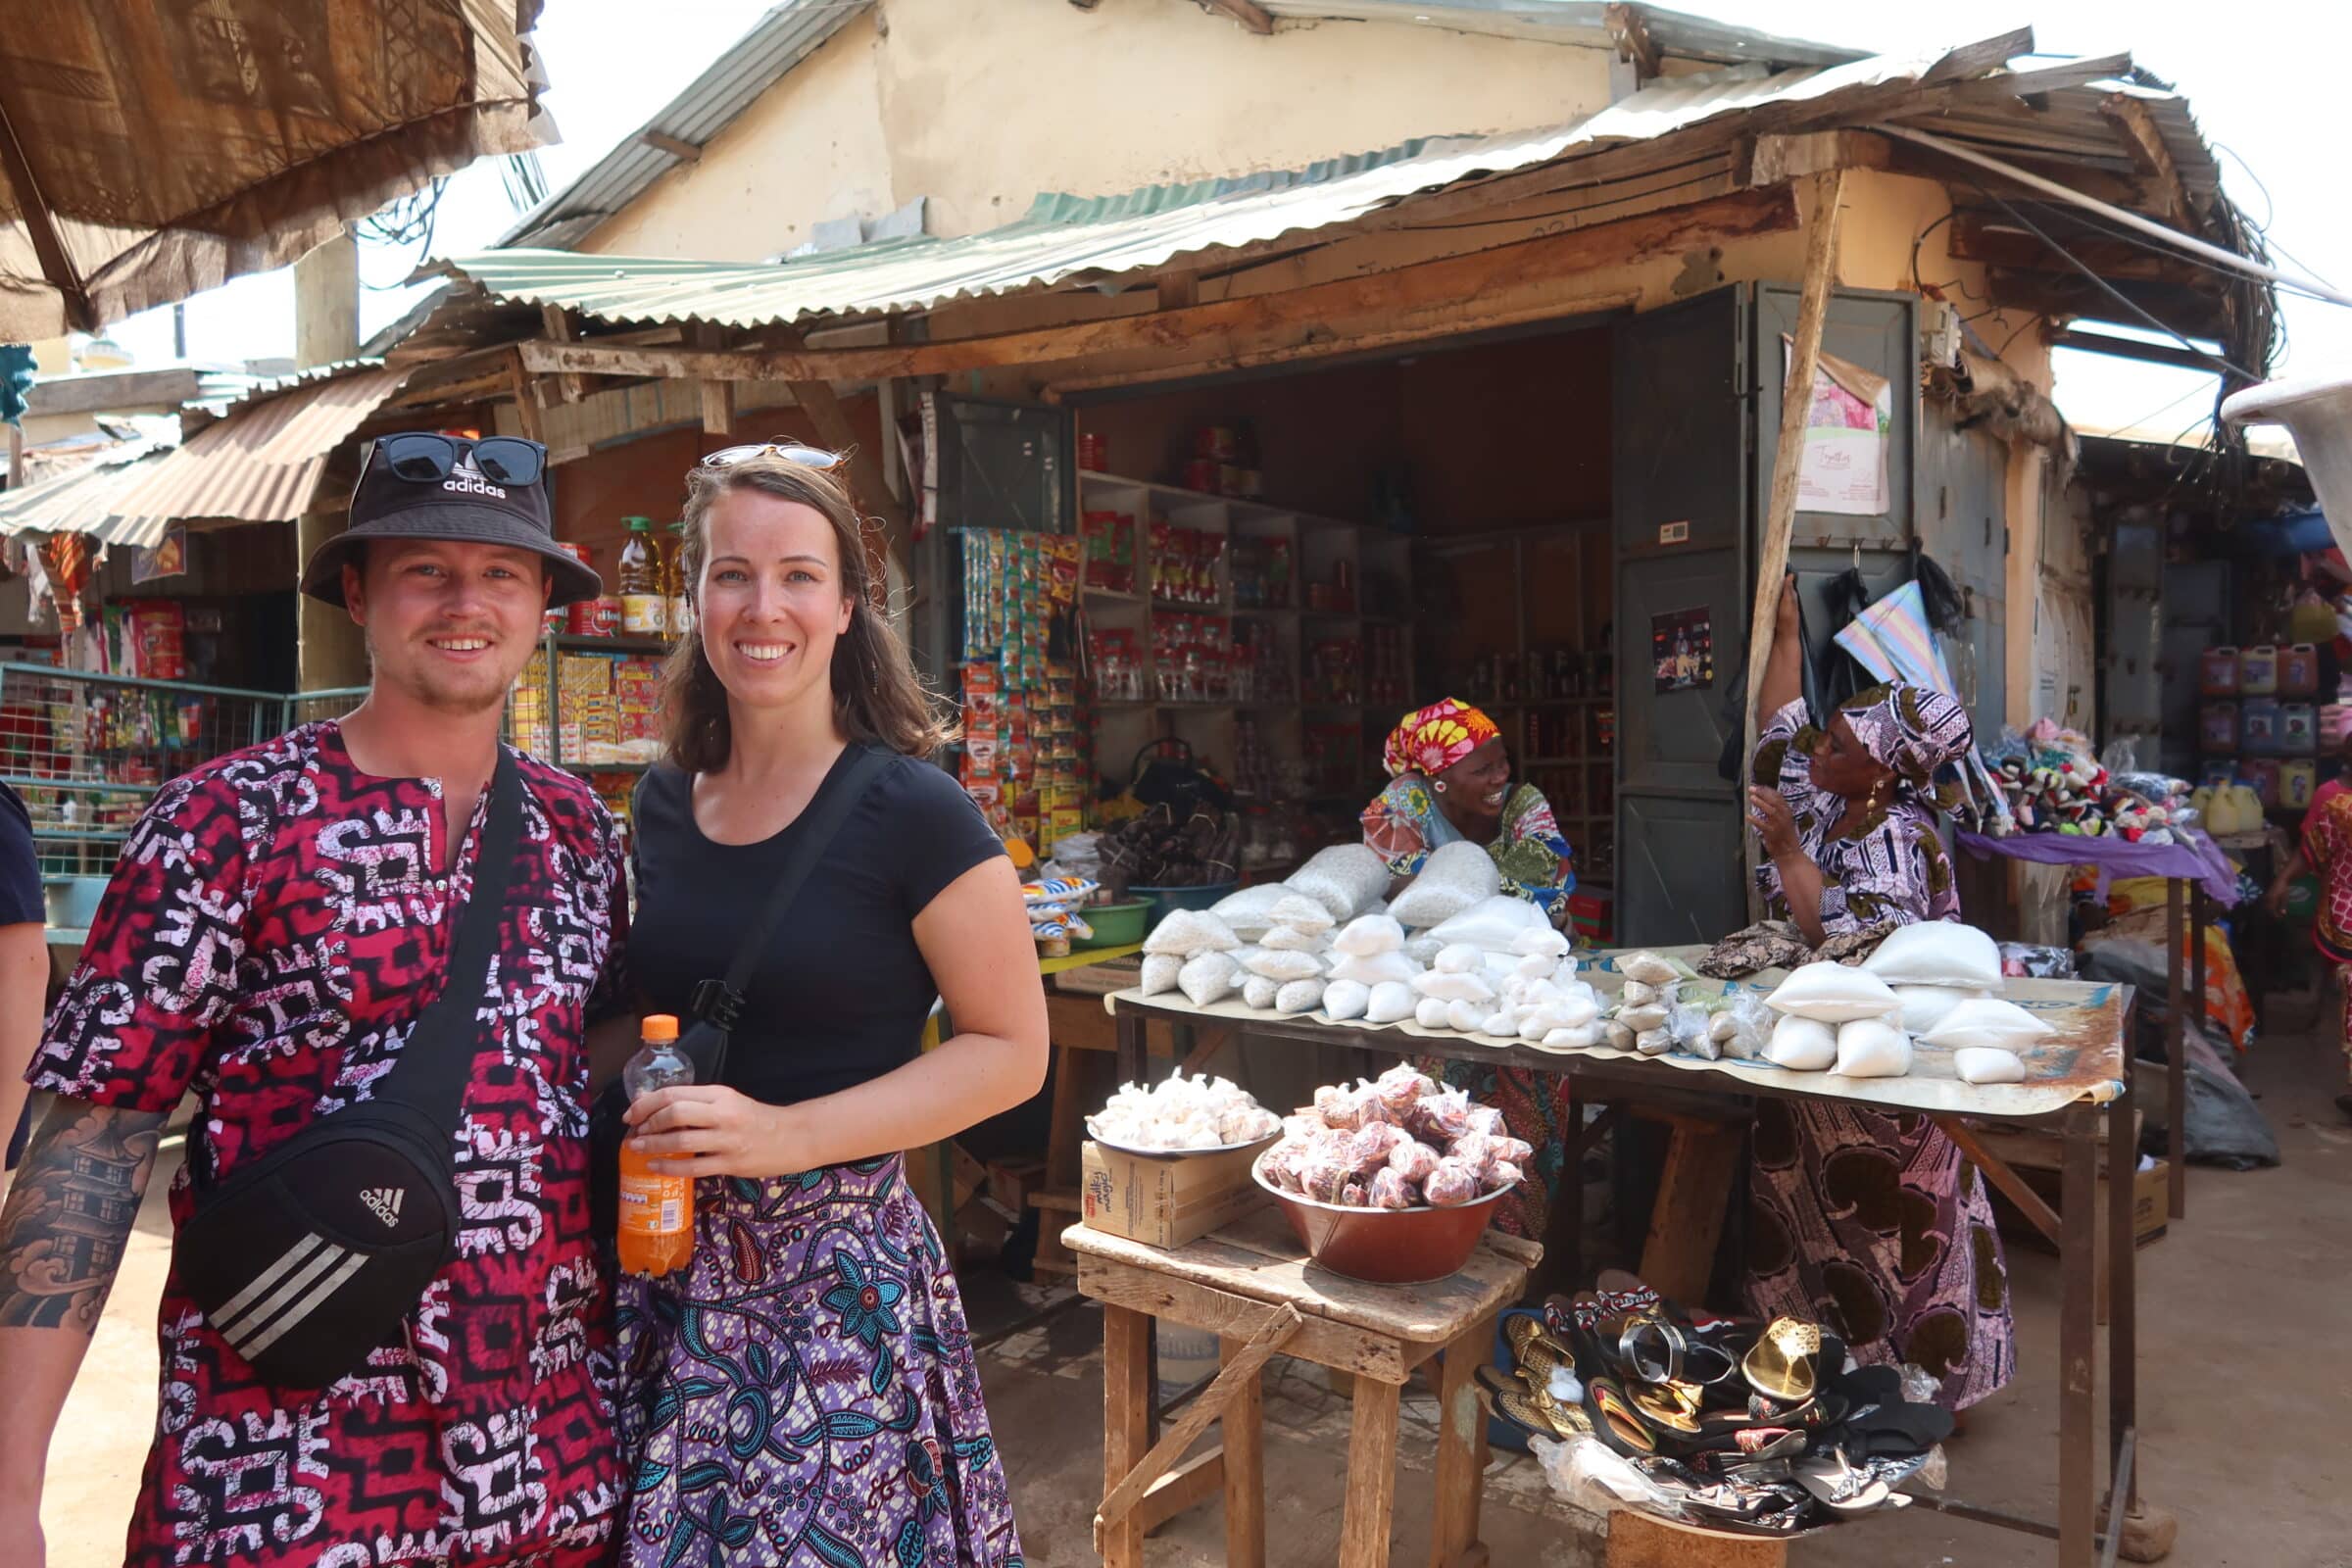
[280, 921]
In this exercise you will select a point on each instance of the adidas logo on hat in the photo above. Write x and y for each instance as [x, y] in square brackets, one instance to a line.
[468, 479]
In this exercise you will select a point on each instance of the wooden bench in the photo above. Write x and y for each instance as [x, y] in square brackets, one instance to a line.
[1254, 1286]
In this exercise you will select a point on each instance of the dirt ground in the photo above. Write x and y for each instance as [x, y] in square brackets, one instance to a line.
[2243, 1371]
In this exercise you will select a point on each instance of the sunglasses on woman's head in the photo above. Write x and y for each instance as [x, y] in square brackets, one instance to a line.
[499, 459]
[790, 451]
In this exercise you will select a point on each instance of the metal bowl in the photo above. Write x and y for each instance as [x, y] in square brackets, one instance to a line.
[1385, 1245]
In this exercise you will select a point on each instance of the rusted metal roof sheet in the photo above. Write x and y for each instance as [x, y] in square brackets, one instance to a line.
[260, 462]
[81, 499]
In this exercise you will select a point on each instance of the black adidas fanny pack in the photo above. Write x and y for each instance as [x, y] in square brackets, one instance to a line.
[310, 1256]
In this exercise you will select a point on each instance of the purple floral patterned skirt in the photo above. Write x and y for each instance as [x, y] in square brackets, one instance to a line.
[803, 1392]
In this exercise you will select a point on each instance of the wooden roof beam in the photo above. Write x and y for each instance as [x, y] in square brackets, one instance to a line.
[2164, 192]
[1629, 31]
[685, 152]
[1249, 13]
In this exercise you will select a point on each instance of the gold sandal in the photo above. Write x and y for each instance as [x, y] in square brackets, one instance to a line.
[1781, 1364]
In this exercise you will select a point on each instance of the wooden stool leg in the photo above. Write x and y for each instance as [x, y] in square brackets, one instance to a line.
[1127, 1398]
[1371, 1476]
[1461, 1448]
[1243, 1435]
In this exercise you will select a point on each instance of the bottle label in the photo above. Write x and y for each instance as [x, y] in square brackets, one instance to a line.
[655, 1206]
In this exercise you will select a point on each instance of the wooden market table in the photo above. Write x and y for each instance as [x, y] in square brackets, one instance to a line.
[2081, 1089]
[1253, 1285]
[2197, 878]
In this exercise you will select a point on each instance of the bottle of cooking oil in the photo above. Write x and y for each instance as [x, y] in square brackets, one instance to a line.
[673, 580]
[644, 609]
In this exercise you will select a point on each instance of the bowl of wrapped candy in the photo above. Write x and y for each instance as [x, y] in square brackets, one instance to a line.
[1394, 1180]
[1180, 1116]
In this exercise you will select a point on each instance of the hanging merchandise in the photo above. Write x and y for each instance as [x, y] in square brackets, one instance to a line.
[1020, 682]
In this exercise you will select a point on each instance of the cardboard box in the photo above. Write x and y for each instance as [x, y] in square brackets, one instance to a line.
[2150, 1196]
[1165, 1202]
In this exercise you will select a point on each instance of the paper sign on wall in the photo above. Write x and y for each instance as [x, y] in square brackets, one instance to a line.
[1681, 649]
[1843, 467]
[168, 559]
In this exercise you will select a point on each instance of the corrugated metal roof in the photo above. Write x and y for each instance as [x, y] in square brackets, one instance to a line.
[1064, 238]
[786, 35]
[261, 462]
[81, 499]
[1583, 23]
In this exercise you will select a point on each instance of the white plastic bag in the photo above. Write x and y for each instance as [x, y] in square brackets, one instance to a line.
[1423, 950]
[1650, 1015]
[1832, 993]
[1345, 879]
[1344, 999]
[1303, 914]
[1290, 939]
[1501, 1025]
[1455, 987]
[1541, 943]
[1988, 1023]
[1391, 1001]
[1937, 953]
[1208, 977]
[1373, 934]
[1872, 1048]
[1926, 1006]
[1652, 1042]
[1492, 924]
[1802, 1045]
[1187, 932]
[1455, 878]
[1430, 1012]
[1580, 1038]
[1299, 995]
[1983, 1064]
[1647, 968]
[1459, 959]
[1160, 972]
[1464, 1016]
[1276, 964]
[1260, 991]
[1371, 971]
[1249, 912]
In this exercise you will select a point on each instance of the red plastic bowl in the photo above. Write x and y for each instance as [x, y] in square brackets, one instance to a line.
[1385, 1245]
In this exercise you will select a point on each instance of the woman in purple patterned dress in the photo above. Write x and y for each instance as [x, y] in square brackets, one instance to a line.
[805, 1392]
[1869, 1221]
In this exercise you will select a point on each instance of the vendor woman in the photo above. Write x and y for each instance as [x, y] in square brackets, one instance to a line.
[1868, 1221]
[1449, 778]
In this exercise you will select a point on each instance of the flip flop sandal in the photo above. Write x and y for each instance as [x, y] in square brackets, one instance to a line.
[1662, 1407]
[1839, 1486]
[1614, 1419]
[1509, 1397]
[1781, 1365]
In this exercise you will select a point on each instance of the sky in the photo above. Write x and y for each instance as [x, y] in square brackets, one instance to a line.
[2260, 98]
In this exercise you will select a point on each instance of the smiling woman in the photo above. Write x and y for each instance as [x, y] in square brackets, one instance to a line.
[816, 1331]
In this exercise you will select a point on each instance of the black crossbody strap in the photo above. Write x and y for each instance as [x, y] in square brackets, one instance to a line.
[720, 1002]
[436, 1064]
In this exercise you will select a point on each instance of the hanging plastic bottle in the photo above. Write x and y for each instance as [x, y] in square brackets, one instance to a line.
[657, 1211]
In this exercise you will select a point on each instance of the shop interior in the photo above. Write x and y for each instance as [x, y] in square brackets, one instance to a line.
[1355, 541]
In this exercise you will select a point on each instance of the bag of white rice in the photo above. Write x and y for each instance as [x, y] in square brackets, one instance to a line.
[1260, 991]
[1492, 924]
[1303, 914]
[1208, 977]
[1345, 879]
[1455, 878]
[1872, 1048]
[1370, 935]
[1988, 1023]
[1802, 1045]
[1186, 932]
[1344, 999]
[1276, 964]
[1372, 971]
[1250, 914]
[1390, 1002]
[1160, 972]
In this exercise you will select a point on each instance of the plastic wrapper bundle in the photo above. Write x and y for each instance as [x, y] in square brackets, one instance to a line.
[2024, 960]
[1402, 1087]
[1370, 1145]
[1455, 878]
[1250, 914]
[1450, 1186]
[1346, 879]
[1390, 1189]
[1208, 977]
[1442, 1117]
[1187, 933]
[1413, 1160]
[1181, 1113]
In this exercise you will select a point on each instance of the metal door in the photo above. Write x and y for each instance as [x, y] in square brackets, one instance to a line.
[1963, 524]
[986, 464]
[2130, 695]
[1681, 521]
[2195, 606]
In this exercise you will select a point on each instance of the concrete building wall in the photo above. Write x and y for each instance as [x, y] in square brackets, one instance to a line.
[979, 108]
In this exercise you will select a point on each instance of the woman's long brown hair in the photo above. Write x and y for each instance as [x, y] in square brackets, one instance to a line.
[876, 694]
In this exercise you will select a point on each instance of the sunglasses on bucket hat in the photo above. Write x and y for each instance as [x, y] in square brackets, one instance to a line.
[500, 459]
[808, 457]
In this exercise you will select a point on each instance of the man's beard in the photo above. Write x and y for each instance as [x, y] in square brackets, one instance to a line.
[455, 693]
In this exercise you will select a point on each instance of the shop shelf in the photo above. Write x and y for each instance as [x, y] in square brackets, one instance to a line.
[571, 642]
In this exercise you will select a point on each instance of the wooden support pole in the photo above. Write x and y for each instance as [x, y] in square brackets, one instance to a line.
[526, 400]
[1243, 1435]
[1119, 1503]
[557, 321]
[1780, 514]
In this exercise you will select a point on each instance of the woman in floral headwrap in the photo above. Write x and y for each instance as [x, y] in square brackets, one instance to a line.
[1449, 778]
[1868, 1221]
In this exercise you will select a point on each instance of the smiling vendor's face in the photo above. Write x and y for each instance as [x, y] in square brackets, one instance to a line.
[1477, 784]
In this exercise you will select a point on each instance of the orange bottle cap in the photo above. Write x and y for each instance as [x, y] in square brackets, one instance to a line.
[660, 1026]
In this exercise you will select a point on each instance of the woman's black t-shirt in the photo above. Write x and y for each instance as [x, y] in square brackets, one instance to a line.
[843, 990]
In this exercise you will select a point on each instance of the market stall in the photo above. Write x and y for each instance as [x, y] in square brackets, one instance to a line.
[2078, 1082]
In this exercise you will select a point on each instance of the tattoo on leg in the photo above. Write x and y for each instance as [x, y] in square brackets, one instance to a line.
[75, 1197]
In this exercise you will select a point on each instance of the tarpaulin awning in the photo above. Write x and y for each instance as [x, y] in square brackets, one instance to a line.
[260, 462]
[151, 151]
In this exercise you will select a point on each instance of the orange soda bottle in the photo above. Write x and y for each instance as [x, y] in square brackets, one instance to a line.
[657, 1211]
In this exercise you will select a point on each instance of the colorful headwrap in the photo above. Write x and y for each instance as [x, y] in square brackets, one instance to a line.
[1912, 729]
[1433, 740]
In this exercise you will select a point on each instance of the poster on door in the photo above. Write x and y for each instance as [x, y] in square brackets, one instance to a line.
[1681, 650]
[1843, 467]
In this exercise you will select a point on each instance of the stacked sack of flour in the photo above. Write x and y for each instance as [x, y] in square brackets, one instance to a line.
[1936, 980]
[1400, 1141]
